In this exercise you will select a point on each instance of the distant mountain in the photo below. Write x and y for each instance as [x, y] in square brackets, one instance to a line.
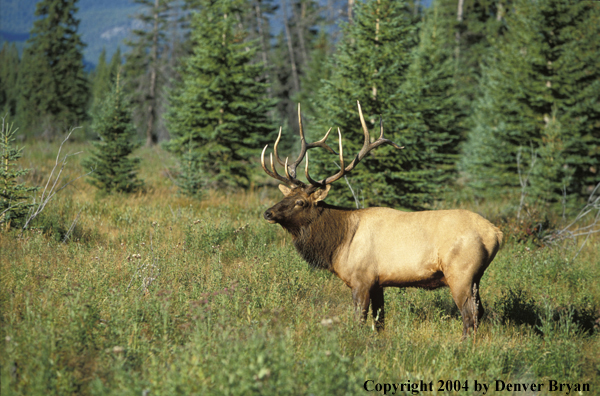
[104, 24]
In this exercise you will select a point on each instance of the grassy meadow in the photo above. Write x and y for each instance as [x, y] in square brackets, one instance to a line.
[157, 294]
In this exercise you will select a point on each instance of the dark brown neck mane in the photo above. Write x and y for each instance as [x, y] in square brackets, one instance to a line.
[318, 241]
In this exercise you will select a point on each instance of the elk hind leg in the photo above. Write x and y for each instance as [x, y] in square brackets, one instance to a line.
[468, 302]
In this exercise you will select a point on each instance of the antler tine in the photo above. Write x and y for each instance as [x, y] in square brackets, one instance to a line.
[333, 178]
[364, 126]
[275, 148]
[283, 179]
[290, 169]
[307, 146]
[315, 184]
[286, 168]
[274, 173]
[367, 146]
[300, 130]
[321, 143]
[387, 140]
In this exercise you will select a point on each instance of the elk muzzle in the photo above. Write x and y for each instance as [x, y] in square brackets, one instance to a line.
[268, 215]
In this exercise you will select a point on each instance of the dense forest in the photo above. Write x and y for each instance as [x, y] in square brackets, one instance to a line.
[480, 92]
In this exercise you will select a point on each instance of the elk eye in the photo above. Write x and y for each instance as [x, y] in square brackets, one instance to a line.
[299, 202]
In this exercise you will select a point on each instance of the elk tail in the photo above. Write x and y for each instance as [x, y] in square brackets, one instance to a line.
[499, 238]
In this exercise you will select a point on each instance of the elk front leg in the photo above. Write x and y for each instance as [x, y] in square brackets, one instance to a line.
[361, 297]
[377, 306]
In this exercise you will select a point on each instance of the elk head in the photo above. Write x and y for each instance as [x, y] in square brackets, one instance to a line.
[301, 202]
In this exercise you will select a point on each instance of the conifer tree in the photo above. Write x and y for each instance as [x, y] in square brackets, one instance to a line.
[317, 70]
[430, 100]
[292, 57]
[145, 64]
[190, 179]
[221, 105]
[260, 29]
[476, 25]
[551, 172]
[103, 78]
[14, 196]
[468, 28]
[52, 81]
[370, 65]
[9, 72]
[114, 170]
[540, 89]
[100, 74]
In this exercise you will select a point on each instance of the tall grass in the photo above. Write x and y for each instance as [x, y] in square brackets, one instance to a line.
[156, 294]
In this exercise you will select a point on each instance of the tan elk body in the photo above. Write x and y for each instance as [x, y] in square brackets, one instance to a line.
[373, 248]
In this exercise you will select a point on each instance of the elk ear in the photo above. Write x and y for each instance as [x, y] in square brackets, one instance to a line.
[285, 190]
[321, 194]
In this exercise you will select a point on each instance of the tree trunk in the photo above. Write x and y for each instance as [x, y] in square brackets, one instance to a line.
[263, 44]
[330, 11]
[288, 38]
[500, 11]
[376, 46]
[300, 30]
[151, 138]
[459, 19]
[350, 6]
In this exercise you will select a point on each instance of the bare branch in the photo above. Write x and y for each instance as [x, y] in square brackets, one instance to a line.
[48, 194]
[356, 201]
[68, 234]
[524, 181]
[574, 230]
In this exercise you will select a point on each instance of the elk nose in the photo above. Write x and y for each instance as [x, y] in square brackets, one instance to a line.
[268, 215]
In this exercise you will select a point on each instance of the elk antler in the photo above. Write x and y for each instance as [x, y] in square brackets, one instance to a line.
[290, 170]
[367, 146]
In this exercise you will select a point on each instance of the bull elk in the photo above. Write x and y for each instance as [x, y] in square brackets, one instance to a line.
[373, 248]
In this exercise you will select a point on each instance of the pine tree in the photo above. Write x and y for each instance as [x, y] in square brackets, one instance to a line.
[114, 170]
[115, 65]
[14, 197]
[52, 81]
[317, 70]
[145, 65]
[540, 89]
[221, 106]
[551, 172]
[468, 28]
[103, 78]
[370, 65]
[292, 57]
[9, 72]
[475, 27]
[260, 29]
[430, 100]
[190, 180]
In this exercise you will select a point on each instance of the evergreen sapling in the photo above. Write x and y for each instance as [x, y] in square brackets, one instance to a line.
[14, 197]
[114, 170]
[221, 105]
